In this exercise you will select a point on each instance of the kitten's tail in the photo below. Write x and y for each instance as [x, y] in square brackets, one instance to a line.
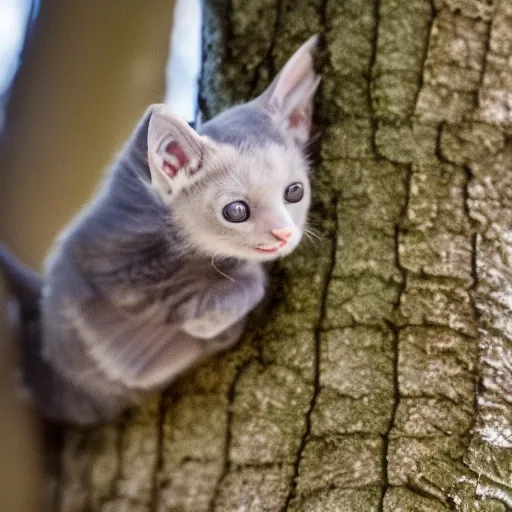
[24, 284]
[26, 287]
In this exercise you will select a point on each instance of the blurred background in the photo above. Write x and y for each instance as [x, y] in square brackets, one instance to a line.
[75, 77]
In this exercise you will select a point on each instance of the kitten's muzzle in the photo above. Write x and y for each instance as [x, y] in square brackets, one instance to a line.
[282, 234]
[266, 248]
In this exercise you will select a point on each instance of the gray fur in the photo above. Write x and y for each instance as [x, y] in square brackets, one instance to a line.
[150, 278]
[242, 126]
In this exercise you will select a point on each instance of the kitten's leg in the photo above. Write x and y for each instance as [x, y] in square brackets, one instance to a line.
[225, 303]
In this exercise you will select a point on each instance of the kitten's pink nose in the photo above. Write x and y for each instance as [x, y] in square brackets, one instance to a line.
[282, 234]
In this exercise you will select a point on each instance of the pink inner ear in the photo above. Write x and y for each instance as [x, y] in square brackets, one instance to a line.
[296, 118]
[174, 159]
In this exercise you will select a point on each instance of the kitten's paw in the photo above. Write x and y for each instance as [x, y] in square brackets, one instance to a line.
[205, 327]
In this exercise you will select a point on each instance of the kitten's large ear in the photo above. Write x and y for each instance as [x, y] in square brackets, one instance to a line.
[174, 149]
[291, 95]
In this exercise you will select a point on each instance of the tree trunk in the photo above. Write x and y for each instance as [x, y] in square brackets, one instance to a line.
[378, 378]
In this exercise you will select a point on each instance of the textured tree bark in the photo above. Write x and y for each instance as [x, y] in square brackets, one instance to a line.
[379, 377]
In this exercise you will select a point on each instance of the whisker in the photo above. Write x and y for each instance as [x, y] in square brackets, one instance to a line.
[310, 146]
[313, 233]
[220, 271]
[314, 138]
[308, 238]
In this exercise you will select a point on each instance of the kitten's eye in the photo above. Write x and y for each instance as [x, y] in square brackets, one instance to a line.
[237, 211]
[294, 192]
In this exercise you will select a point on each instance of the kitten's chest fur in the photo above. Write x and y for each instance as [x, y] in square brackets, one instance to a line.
[160, 283]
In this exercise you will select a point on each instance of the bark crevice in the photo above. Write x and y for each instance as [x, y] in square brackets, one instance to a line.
[229, 429]
[316, 375]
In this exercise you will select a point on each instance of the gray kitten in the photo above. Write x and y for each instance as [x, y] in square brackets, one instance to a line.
[163, 267]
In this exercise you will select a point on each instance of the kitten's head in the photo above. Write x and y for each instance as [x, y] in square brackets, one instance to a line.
[239, 187]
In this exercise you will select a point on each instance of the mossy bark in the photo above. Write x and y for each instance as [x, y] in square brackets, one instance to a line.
[378, 378]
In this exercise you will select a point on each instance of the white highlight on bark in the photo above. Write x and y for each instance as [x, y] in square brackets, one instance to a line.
[486, 491]
[497, 107]
[495, 305]
[497, 437]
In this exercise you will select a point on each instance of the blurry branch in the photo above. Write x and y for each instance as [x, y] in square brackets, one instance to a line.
[89, 72]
